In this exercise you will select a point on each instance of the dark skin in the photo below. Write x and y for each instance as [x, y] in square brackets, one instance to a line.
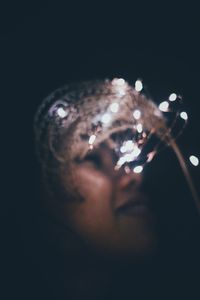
[108, 215]
[113, 218]
[106, 212]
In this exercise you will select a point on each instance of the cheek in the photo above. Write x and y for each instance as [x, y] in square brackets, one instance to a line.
[94, 213]
[92, 185]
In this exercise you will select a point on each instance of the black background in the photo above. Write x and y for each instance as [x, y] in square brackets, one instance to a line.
[43, 46]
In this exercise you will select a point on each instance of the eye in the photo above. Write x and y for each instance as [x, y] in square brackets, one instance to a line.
[93, 158]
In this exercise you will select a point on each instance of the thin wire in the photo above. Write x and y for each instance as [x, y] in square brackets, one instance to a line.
[186, 173]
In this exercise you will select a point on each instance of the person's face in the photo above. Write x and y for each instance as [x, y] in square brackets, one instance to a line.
[113, 216]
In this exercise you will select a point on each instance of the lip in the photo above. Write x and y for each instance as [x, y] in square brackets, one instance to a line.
[137, 205]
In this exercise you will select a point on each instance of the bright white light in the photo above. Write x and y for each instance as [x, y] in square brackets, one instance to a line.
[138, 169]
[172, 97]
[114, 107]
[121, 92]
[130, 147]
[194, 160]
[184, 115]
[106, 118]
[120, 86]
[123, 149]
[118, 81]
[131, 156]
[92, 139]
[136, 152]
[164, 106]
[139, 128]
[127, 146]
[121, 161]
[61, 112]
[138, 85]
[137, 114]
[128, 157]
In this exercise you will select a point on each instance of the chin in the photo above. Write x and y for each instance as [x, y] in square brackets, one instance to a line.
[137, 250]
[134, 248]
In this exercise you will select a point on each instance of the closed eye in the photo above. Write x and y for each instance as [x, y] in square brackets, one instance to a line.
[99, 158]
[94, 158]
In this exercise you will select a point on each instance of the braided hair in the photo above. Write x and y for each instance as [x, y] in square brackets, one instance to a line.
[64, 119]
[47, 127]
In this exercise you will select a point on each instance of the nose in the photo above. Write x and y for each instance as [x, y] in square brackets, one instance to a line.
[126, 181]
